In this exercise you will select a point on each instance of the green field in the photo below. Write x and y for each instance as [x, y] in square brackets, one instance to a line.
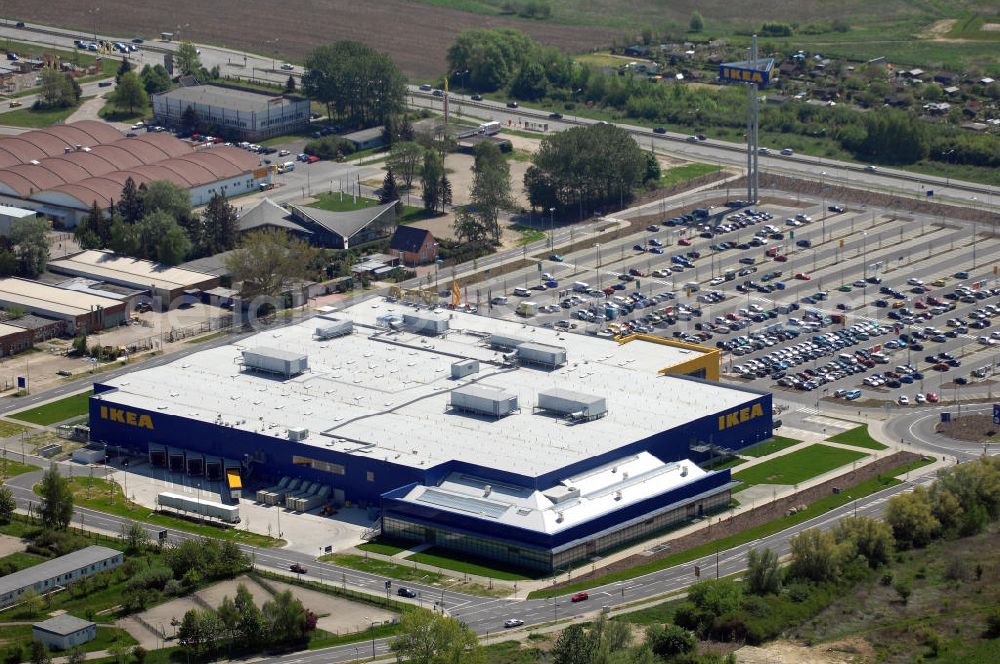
[770, 446]
[385, 547]
[19, 560]
[56, 411]
[821, 506]
[29, 117]
[111, 113]
[106, 637]
[105, 496]
[466, 564]
[858, 437]
[528, 235]
[681, 174]
[971, 27]
[11, 468]
[797, 466]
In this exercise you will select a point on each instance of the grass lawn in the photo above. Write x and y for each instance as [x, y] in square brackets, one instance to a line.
[111, 113]
[815, 509]
[106, 637]
[460, 562]
[56, 411]
[797, 466]
[8, 429]
[385, 546]
[528, 235]
[858, 437]
[385, 568]
[11, 468]
[106, 496]
[21, 560]
[770, 446]
[681, 174]
[29, 117]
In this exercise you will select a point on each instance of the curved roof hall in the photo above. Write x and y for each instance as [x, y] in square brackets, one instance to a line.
[38, 178]
[49, 144]
[116, 155]
[154, 172]
[243, 160]
[21, 150]
[15, 185]
[170, 145]
[86, 132]
[65, 169]
[93, 162]
[193, 172]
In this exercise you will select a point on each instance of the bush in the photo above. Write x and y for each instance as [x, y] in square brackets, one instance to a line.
[330, 147]
[154, 577]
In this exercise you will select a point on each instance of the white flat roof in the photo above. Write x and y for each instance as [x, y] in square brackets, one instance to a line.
[36, 296]
[15, 212]
[384, 394]
[601, 491]
[113, 267]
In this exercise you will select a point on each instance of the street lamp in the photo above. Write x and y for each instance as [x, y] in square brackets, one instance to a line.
[552, 214]
[975, 228]
[823, 194]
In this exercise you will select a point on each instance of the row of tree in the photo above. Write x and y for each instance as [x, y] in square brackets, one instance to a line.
[239, 625]
[356, 83]
[154, 221]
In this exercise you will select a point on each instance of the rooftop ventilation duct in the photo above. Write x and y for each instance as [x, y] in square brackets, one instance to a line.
[484, 400]
[575, 405]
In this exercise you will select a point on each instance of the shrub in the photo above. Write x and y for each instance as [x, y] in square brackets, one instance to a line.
[329, 147]
[993, 624]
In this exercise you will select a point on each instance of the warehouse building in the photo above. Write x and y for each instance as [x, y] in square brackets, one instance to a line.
[159, 280]
[528, 445]
[236, 113]
[322, 228]
[61, 171]
[58, 572]
[14, 339]
[81, 313]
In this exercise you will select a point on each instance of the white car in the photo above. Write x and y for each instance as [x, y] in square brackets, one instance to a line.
[903, 400]
[913, 281]
[513, 622]
[284, 153]
[716, 281]
[547, 276]
[287, 67]
[920, 398]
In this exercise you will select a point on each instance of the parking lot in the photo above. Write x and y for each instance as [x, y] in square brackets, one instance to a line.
[813, 301]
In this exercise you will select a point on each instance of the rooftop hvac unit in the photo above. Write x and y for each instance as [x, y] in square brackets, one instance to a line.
[618, 495]
[298, 433]
[275, 360]
[334, 329]
[541, 354]
[425, 322]
[684, 471]
[464, 368]
[575, 404]
[505, 342]
[487, 490]
[484, 400]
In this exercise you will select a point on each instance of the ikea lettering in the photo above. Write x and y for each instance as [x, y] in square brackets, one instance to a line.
[744, 75]
[740, 416]
[126, 417]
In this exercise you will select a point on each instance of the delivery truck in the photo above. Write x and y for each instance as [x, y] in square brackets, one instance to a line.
[199, 506]
[527, 308]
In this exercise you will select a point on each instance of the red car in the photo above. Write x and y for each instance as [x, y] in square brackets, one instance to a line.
[803, 276]
[684, 242]
[579, 597]
[781, 258]
[919, 304]
[312, 159]
[932, 398]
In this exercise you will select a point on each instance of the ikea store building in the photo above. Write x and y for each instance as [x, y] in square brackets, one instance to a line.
[522, 444]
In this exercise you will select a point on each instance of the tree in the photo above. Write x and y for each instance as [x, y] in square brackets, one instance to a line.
[668, 641]
[130, 206]
[430, 180]
[162, 239]
[56, 509]
[250, 626]
[40, 653]
[912, 519]
[697, 23]
[139, 654]
[717, 596]
[867, 537]
[266, 260]
[405, 158]
[93, 231]
[491, 57]
[904, 589]
[490, 192]
[229, 616]
[53, 89]
[429, 638]
[290, 85]
[124, 68]
[7, 504]
[573, 646]
[390, 190]
[123, 237]
[763, 575]
[31, 245]
[135, 536]
[469, 227]
[168, 197]
[285, 618]
[354, 82]
[530, 82]
[155, 79]
[220, 226]
[129, 94]
[187, 60]
[190, 120]
[816, 556]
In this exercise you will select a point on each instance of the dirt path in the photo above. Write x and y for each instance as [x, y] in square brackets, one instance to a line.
[784, 652]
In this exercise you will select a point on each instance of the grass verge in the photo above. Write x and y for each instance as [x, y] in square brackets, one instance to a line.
[111, 113]
[815, 509]
[208, 337]
[770, 446]
[528, 235]
[382, 567]
[681, 174]
[106, 496]
[9, 429]
[467, 564]
[386, 547]
[56, 411]
[36, 119]
[797, 466]
[858, 437]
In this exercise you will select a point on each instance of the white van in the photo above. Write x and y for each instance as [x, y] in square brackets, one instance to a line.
[522, 292]
[288, 166]
[581, 287]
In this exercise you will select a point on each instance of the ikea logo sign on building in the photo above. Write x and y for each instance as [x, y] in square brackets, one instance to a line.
[123, 416]
[740, 416]
[747, 72]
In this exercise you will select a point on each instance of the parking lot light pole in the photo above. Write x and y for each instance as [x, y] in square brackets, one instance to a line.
[552, 239]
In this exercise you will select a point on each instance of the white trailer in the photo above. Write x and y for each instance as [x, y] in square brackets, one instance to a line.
[199, 506]
[489, 128]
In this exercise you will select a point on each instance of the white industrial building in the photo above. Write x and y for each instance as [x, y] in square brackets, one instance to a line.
[64, 632]
[58, 572]
[236, 113]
